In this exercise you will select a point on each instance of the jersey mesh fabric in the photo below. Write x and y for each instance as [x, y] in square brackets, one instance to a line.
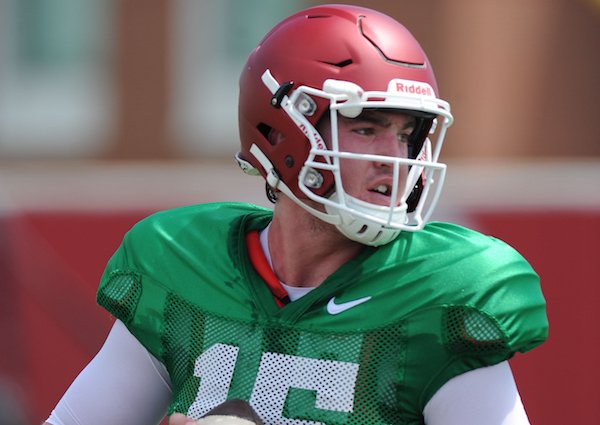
[316, 366]
[123, 294]
[470, 330]
[442, 301]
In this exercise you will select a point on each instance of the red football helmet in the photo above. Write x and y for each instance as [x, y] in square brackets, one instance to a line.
[339, 59]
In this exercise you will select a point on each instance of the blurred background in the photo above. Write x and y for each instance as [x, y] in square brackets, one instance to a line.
[111, 110]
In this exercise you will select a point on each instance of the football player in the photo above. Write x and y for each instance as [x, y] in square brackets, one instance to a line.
[341, 305]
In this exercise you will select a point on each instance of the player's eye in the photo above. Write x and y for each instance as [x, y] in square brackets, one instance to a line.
[364, 131]
[404, 137]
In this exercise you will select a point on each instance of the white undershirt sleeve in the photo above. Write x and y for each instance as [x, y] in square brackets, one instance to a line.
[123, 384]
[487, 395]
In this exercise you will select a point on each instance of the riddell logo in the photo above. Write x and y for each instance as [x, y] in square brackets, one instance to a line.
[413, 88]
[316, 135]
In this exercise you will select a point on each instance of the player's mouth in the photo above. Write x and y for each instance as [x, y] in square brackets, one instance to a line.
[384, 189]
[380, 194]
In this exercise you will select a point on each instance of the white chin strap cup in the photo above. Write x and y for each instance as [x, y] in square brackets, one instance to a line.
[364, 230]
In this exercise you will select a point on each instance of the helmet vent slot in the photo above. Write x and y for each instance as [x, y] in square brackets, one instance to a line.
[340, 64]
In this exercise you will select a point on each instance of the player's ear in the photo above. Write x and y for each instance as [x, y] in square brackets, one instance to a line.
[275, 137]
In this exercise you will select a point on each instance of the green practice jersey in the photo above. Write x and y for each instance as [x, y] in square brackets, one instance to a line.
[370, 345]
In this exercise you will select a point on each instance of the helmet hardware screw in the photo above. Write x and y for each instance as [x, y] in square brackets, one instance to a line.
[313, 179]
[306, 105]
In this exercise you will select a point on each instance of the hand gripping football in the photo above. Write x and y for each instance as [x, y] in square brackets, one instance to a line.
[231, 412]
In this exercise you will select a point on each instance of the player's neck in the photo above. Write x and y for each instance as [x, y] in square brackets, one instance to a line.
[305, 250]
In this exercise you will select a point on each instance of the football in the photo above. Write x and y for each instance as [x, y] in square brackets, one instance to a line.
[231, 412]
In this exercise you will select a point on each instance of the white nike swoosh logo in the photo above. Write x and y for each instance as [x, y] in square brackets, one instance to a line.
[333, 308]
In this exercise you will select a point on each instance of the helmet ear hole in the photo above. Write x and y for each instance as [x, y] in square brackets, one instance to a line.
[264, 129]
